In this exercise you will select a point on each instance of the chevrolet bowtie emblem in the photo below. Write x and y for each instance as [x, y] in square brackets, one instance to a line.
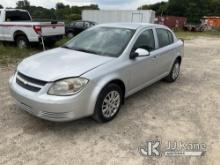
[25, 82]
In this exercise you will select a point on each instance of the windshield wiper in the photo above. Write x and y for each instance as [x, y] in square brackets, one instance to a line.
[79, 49]
[67, 47]
[85, 50]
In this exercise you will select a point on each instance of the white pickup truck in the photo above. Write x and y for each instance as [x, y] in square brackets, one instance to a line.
[17, 26]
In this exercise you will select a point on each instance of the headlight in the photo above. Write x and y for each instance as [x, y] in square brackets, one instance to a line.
[68, 86]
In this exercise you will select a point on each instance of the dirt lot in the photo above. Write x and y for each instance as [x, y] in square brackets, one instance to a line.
[187, 111]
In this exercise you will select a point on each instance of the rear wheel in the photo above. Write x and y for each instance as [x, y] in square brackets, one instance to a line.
[22, 42]
[108, 103]
[174, 73]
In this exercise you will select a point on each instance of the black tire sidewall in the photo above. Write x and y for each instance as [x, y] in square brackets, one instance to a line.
[169, 78]
[22, 38]
[171, 73]
[98, 115]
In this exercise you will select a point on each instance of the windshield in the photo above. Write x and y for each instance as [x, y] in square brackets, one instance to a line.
[105, 41]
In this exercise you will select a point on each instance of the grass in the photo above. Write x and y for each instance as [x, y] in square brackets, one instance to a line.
[61, 42]
[192, 35]
[9, 54]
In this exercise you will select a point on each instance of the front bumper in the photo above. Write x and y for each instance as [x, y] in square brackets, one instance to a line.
[52, 108]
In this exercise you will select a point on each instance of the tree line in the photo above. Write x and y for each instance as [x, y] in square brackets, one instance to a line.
[194, 10]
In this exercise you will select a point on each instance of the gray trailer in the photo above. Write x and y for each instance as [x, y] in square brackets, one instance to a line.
[111, 16]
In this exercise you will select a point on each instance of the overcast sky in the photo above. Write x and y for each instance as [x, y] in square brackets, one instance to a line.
[103, 4]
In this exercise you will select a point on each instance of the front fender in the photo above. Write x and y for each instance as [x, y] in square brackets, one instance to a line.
[98, 88]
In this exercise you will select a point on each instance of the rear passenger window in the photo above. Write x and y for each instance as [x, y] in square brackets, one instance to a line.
[165, 37]
[145, 41]
[17, 16]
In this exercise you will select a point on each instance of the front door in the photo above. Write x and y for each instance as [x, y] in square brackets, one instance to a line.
[142, 69]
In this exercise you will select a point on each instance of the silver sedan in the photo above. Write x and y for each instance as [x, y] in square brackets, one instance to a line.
[92, 74]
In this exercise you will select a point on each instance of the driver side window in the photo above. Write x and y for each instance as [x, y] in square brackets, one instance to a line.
[145, 41]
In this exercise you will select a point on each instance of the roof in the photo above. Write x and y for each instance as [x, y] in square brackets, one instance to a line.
[116, 11]
[131, 25]
[13, 9]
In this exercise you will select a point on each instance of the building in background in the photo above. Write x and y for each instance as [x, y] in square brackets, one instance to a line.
[172, 21]
[111, 16]
[212, 21]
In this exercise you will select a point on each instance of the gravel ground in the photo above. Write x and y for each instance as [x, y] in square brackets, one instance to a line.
[187, 110]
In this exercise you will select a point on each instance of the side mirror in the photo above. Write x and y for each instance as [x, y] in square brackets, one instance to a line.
[142, 52]
[139, 53]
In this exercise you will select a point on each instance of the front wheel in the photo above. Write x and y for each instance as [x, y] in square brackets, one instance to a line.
[108, 103]
[174, 73]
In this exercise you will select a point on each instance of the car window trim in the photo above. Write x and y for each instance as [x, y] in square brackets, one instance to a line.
[168, 37]
[139, 34]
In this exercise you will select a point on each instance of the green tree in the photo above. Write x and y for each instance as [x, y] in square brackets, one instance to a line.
[1, 7]
[194, 10]
[23, 4]
[62, 12]
[60, 5]
[160, 8]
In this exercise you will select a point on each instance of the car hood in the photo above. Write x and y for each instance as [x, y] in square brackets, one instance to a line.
[60, 63]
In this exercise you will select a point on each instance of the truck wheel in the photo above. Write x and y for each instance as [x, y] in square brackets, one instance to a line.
[108, 103]
[22, 42]
[70, 35]
[174, 73]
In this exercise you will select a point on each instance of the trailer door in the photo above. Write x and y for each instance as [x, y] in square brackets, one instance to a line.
[137, 17]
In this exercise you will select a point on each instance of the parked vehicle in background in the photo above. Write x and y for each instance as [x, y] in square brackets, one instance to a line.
[76, 27]
[93, 73]
[17, 26]
[196, 27]
[123, 16]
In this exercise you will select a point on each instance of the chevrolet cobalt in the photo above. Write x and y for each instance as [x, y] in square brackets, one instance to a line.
[92, 74]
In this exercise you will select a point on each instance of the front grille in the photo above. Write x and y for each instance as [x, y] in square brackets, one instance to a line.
[32, 80]
[29, 83]
[27, 86]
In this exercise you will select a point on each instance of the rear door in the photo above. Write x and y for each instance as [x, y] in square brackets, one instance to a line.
[165, 51]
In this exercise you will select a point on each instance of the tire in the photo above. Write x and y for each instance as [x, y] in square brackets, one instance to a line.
[70, 35]
[22, 42]
[50, 44]
[105, 111]
[174, 73]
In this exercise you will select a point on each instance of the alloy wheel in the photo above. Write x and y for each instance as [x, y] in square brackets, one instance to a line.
[111, 104]
[176, 71]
